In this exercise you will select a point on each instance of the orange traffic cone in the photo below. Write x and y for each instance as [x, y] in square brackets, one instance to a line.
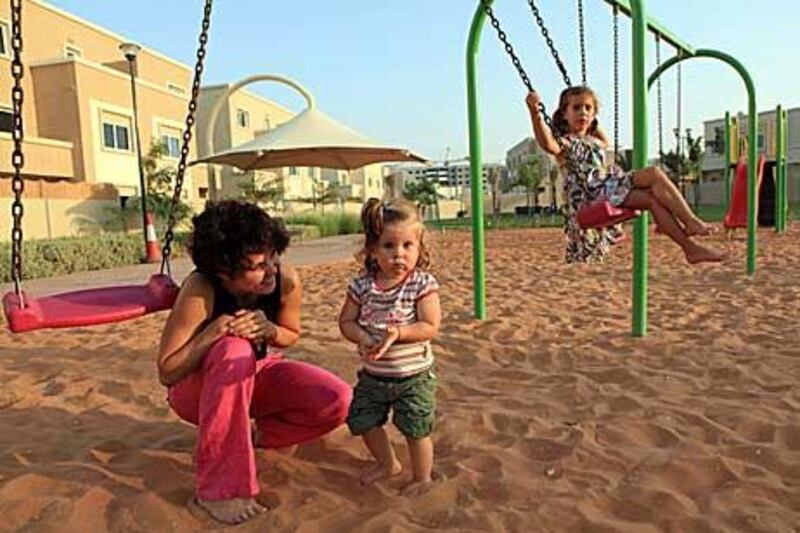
[152, 247]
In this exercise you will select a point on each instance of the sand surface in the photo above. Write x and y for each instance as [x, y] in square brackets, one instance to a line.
[551, 416]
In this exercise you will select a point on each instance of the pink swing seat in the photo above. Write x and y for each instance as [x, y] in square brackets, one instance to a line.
[89, 307]
[603, 214]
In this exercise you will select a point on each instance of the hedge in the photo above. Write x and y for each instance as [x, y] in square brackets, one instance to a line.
[44, 258]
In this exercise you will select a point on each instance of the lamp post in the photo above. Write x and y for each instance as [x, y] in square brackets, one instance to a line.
[130, 51]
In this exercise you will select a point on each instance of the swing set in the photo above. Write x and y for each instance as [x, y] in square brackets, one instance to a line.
[599, 214]
[25, 312]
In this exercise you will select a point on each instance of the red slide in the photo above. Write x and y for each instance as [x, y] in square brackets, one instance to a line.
[736, 217]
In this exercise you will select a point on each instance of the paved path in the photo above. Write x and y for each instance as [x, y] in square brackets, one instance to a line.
[314, 252]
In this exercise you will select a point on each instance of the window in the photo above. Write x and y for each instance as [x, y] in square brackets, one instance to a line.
[4, 39]
[116, 137]
[311, 172]
[175, 88]
[243, 118]
[293, 171]
[6, 120]
[202, 192]
[72, 51]
[172, 146]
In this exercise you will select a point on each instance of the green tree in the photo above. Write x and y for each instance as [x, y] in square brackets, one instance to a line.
[423, 193]
[530, 176]
[269, 192]
[160, 179]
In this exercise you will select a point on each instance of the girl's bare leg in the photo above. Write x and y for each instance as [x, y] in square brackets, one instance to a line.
[381, 449]
[654, 179]
[695, 253]
[421, 452]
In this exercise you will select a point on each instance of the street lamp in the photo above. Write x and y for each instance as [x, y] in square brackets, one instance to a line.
[130, 51]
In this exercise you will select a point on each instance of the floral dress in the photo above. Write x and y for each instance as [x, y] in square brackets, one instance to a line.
[587, 179]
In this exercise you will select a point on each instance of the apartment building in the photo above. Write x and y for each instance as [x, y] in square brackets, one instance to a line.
[713, 186]
[80, 156]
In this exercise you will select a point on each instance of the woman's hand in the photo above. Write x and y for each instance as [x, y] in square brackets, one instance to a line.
[252, 325]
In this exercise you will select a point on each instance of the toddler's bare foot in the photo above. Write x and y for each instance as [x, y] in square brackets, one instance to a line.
[233, 511]
[416, 488]
[702, 254]
[700, 228]
[379, 471]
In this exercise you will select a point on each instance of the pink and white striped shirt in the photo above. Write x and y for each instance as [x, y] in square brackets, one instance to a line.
[381, 307]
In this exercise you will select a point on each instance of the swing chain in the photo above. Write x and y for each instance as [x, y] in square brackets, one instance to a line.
[582, 35]
[660, 104]
[514, 59]
[616, 82]
[17, 156]
[187, 137]
[550, 44]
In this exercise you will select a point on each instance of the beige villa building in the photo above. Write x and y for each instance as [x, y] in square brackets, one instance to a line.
[79, 145]
[80, 150]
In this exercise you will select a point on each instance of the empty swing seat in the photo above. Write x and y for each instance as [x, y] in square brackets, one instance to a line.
[603, 214]
[90, 307]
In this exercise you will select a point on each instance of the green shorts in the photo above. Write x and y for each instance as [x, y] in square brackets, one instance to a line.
[412, 400]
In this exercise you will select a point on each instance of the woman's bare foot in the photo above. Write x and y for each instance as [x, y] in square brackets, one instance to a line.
[696, 253]
[379, 471]
[700, 228]
[416, 488]
[233, 511]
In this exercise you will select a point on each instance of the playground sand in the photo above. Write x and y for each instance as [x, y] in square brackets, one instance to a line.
[551, 417]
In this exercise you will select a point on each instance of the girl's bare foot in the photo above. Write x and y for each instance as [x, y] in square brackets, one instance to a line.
[696, 253]
[416, 488]
[379, 471]
[700, 228]
[233, 511]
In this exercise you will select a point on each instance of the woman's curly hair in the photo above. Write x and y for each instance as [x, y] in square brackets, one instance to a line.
[228, 231]
[560, 125]
[376, 215]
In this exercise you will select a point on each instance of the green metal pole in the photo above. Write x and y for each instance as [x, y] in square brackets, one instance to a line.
[778, 168]
[639, 39]
[727, 167]
[476, 164]
[752, 132]
[785, 173]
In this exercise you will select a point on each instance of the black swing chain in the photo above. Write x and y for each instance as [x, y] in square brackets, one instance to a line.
[514, 59]
[550, 44]
[17, 156]
[616, 82]
[582, 36]
[187, 137]
[660, 104]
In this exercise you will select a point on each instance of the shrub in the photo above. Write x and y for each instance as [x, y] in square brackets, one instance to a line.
[43, 258]
[329, 224]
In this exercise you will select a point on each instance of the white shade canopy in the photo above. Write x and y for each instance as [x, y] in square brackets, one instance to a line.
[311, 139]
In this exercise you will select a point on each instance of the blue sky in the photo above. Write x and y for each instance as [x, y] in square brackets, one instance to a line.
[395, 69]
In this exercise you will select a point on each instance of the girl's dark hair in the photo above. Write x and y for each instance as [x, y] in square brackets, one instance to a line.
[560, 125]
[228, 231]
[375, 216]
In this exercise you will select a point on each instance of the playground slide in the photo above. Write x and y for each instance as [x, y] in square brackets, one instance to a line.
[736, 217]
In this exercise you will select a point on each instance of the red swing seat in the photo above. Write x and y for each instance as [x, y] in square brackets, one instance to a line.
[89, 307]
[603, 214]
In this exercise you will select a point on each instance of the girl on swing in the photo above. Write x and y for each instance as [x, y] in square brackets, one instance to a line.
[579, 146]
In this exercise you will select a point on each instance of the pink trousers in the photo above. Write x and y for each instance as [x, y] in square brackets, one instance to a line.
[291, 402]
